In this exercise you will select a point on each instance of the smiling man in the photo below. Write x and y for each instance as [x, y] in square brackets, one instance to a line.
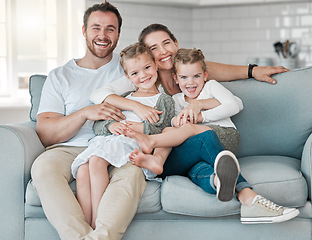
[64, 125]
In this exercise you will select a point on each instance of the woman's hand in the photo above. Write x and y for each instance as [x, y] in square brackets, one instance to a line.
[264, 73]
[118, 128]
[147, 113]
[135, 126]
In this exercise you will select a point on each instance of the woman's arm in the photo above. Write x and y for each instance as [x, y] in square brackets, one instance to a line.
[112, 94]
[224, 72]
[118, 87]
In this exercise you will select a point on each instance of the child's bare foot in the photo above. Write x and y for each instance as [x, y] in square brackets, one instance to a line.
[142, 139]
[147, 161]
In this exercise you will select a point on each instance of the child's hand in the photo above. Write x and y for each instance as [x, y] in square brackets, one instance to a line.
[200, 118]
[178, 122]
[189, 114]
[174, 122]
[135, 126]
[118, 128]
[147, 113]
[192, 113]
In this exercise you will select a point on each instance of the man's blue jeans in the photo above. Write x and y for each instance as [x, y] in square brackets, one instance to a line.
[195, 158]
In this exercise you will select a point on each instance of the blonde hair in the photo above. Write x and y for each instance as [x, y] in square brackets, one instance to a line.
[184, 56]
[133, 51]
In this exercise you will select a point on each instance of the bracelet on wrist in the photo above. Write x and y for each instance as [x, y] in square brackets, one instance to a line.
[250, 68]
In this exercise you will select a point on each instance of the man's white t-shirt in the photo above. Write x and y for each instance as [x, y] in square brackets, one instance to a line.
[68, 88]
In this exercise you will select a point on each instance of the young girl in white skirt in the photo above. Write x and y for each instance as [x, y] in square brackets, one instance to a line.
[110, 146]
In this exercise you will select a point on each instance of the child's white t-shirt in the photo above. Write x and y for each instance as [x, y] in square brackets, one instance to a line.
[221, 115]
[68, 88]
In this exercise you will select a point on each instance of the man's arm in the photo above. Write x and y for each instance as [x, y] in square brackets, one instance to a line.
[224, 72]
[53, 128]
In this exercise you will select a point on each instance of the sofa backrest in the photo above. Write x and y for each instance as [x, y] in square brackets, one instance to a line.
[35, 87]
[276, 119]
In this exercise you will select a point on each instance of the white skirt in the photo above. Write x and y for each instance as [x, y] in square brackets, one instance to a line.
[115, 149]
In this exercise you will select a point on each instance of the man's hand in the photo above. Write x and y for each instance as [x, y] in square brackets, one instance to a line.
[55, 128]
[264, 73]
[103, 111]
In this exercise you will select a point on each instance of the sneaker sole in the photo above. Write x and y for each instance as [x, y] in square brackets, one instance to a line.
[227, 170]
[277, 219]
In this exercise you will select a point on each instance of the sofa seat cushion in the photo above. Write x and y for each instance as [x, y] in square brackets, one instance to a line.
[150, 201]
[277, 178]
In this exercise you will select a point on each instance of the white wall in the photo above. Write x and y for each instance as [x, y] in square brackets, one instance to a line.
[231, 34]
[227, 34]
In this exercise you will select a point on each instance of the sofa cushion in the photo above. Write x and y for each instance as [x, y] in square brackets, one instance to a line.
[35, 86]
[277, 178]
[150, 201]
[180, 195]
[276, 119]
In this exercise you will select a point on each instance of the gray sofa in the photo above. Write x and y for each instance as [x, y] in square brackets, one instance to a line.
[275, 156]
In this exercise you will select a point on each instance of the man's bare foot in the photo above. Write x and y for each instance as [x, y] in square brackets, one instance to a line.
[143, 140]
[147, 161]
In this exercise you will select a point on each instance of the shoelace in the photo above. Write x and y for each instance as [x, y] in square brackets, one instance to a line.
[267, 203]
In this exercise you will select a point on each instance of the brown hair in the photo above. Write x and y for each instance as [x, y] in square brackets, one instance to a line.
[185, 56]
[133, 51]
[103, 7]
[155, 28]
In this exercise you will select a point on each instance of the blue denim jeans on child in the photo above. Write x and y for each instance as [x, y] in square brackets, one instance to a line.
[195, 158]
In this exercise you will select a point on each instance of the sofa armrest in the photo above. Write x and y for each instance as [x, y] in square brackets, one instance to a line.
[306, 163]
[19, 147]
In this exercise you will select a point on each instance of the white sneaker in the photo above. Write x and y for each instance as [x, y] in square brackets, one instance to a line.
[264, 211]
[227, 170]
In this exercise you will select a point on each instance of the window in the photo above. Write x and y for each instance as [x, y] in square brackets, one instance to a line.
[35, 37]
[3, 52]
